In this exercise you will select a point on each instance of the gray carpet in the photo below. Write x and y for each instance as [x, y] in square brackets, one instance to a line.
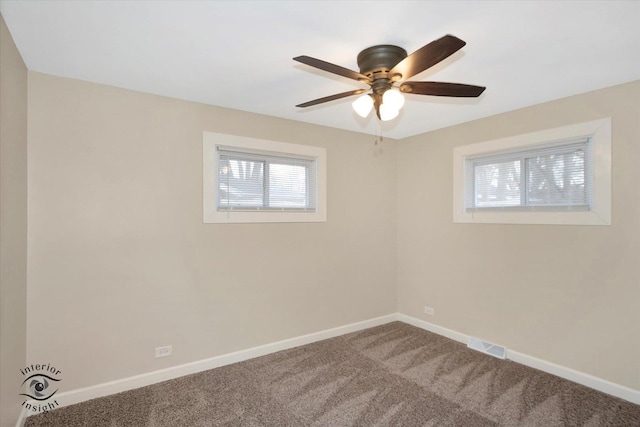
[391, 375]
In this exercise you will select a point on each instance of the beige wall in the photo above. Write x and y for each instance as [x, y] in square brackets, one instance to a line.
[13, 225]
[120, 261]
[565, 294]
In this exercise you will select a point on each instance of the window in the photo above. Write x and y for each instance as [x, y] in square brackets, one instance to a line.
[252, 180]
[558, 176]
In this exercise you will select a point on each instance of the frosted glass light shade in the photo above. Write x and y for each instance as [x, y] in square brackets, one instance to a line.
[393, 98]
[388, 112]
[363, 105]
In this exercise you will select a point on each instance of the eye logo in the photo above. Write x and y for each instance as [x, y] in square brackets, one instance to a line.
[39, 387]
[40, 381]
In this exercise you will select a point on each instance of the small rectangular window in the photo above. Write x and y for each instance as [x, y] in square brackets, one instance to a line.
[546, 177]
[251, 181]
[553, 176]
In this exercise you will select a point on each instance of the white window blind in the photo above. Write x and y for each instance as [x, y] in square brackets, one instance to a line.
[252, 180]
[554, 176]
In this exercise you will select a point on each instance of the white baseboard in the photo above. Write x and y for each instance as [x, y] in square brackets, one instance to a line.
[454, 335]
[596, 383]
[105, 389]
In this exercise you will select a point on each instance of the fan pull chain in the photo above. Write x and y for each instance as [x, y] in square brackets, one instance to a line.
[378, 138]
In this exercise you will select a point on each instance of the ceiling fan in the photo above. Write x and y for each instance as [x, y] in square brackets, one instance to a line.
[382, 66]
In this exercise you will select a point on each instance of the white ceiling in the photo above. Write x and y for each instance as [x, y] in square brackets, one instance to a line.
[239, 54]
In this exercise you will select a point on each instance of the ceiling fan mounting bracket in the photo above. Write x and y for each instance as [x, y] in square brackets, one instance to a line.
[380, 58]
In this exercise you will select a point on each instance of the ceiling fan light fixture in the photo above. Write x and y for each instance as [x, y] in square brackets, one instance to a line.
[393, 98]
[382, 66]
[363, 105]
[387, 112]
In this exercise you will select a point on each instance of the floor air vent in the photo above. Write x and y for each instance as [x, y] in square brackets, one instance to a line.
[488, 348]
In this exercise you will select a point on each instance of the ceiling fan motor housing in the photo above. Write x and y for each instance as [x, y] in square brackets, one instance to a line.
[380, 58]
[376, 61]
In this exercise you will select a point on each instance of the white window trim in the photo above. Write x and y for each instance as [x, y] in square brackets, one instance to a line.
[210, 213]
[600, 214]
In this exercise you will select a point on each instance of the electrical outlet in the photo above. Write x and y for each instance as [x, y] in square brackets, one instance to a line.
[164, 351]
[429, 310]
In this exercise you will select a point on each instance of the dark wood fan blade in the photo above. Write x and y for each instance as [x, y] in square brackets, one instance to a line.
[442, 89]
[332, 68]
[427, 56]
[332, 97]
